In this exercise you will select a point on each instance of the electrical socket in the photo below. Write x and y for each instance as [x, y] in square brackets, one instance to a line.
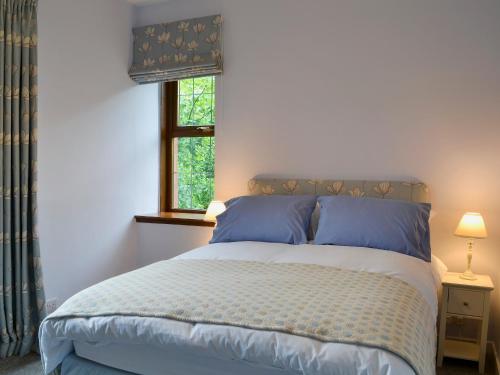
[51, 305]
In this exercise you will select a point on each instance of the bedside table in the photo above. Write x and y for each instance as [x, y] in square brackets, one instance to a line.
[468, 299]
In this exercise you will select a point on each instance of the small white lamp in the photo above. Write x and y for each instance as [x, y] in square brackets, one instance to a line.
[214, 208]
[471, 226]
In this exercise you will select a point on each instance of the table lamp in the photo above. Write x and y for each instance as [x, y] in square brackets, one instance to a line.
[214, 208]
[471, 226]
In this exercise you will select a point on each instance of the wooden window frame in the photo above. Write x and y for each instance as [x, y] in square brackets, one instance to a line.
[170, 130]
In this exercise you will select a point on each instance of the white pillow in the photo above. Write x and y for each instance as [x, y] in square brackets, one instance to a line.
[432, 214]
[438, 269]
[313, 225]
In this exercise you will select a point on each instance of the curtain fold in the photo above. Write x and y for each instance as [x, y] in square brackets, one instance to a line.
[22, 298]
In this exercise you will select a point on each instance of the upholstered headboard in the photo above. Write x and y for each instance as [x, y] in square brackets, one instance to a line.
[402, 190]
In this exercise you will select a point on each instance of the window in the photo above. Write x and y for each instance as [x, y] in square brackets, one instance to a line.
[188, 144]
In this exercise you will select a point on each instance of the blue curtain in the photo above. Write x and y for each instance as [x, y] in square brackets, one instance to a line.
[22, 299]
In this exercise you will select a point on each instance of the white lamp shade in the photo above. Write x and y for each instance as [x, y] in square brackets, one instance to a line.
[471, 226]
[214, 208]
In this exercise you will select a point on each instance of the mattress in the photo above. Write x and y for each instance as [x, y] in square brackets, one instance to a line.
[149, 345]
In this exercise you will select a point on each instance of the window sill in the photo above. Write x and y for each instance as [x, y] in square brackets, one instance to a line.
[175, 218]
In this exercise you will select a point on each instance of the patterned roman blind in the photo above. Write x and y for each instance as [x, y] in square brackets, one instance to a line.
[177, 50]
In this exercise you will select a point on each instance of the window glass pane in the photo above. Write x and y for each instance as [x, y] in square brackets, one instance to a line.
[197, 101]
[193, 177]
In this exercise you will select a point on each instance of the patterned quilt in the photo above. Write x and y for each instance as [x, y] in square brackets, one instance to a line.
[320, 302]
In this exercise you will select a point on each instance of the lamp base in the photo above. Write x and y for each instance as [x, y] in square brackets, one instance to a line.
[468, 275]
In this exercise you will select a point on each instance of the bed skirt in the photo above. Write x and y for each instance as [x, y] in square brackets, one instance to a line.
[74, 365]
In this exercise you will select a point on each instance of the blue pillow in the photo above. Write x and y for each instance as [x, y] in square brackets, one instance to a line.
[386, 224]
[274, 218]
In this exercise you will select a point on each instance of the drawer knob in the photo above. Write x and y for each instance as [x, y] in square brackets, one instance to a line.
[466, 304]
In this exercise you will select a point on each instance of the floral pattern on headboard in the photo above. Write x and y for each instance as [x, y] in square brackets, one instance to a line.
[402, 190]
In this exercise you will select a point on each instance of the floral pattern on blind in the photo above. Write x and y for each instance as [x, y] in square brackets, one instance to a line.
[177, 50]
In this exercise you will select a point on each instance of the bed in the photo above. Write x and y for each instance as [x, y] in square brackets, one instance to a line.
[78, 342]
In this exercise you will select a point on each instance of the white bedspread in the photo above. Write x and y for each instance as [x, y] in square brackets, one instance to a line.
[292, 354]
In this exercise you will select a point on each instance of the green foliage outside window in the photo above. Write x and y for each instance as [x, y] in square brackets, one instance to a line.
[195, 175]
[197, 101]
[195, 155]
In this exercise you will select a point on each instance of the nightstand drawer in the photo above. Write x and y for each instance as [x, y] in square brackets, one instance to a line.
[465, 302]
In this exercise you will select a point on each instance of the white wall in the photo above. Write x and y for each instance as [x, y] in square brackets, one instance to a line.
[362, 89]
[160, 241]
[98, 138]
